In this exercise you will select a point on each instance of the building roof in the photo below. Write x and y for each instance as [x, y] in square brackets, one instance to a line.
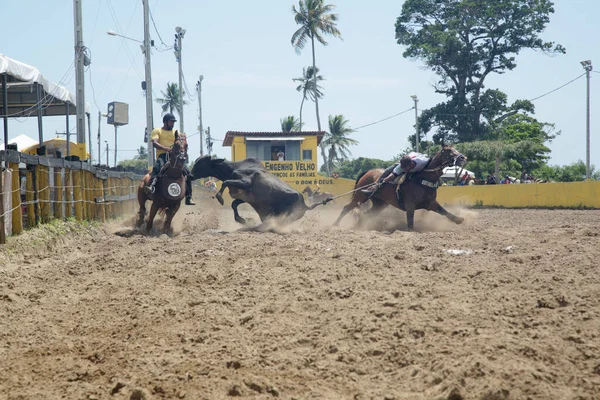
[231, 134]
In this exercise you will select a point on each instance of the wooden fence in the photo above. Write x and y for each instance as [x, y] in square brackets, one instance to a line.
[51, 188]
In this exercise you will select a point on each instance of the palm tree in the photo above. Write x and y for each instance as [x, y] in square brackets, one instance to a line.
[307, 87]
[315, 20]
[290, 124]
[170, 99]
[337, 140]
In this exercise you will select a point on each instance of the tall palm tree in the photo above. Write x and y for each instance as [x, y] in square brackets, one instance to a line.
[290, 124]
[337, 140]
[307, 87]
[315, 20]
[170, 99]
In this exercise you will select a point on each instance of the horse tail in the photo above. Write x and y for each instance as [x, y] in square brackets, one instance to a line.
[360, 176]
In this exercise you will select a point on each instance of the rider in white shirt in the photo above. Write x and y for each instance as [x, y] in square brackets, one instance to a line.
[411, 162]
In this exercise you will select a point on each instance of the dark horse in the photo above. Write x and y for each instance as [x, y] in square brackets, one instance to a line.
[249, 182]
[170, 189]
[316, 196]
[418, 191]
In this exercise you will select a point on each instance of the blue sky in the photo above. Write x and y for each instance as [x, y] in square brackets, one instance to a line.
[243, 51]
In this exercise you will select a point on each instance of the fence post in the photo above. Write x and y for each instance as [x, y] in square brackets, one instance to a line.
[29, 195]
[100, 192]
[17, 213]
[2, 230]
[68, 193]
[77, 198]
[44, 193]
[58, 193]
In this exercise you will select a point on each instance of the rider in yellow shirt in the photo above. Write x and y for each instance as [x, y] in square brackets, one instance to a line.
[162, 140]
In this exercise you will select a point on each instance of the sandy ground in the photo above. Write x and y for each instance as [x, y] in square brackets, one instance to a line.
[505, 306]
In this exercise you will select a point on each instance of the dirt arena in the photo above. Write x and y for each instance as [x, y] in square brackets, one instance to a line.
[505, 306]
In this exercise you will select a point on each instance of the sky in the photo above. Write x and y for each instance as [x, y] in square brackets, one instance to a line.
[244, 53]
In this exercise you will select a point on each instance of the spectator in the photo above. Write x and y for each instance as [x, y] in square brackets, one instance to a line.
[280, 156]
[491, 179]
[464, 180]
[506, 180]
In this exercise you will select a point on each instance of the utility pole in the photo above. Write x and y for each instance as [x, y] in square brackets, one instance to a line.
[89, 120]
[414, 97]
[79, 77]
[587, 65]
[199, 88]
[147, 85]
[99, 123]
[179, 33]
[209, 142]
[115, 146]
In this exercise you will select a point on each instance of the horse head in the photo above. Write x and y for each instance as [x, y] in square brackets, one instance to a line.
[177, 156]
[307, 190]
[448, 157]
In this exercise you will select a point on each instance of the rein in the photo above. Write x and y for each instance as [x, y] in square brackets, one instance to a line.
[443, 165]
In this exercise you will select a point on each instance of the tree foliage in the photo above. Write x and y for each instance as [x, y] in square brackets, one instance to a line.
[290, 124]
[170, 99]
[464, 41]
[337, 140]
[309, 86]
[574, 172]
[316, 20]
[350, 169]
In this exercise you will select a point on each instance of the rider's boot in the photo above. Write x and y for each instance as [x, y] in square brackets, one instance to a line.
[151, 186]
[189, 201]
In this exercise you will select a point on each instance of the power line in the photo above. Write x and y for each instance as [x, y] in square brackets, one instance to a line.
[385, 119]
[560, 87]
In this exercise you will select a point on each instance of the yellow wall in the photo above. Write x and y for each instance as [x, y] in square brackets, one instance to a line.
[571, 194]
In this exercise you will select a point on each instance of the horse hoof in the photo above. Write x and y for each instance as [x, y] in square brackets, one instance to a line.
[241, 220]
[220, 199]
[459, 220]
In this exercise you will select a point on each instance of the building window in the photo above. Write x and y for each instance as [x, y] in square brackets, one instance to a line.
[306, 155]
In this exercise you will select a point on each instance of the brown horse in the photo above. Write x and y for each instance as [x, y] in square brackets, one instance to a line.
[418, 191]
[170, 189]
[316, 196]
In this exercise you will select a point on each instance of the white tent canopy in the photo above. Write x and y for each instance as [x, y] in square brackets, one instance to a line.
[451, 172]
[22, 142]
[22, 97]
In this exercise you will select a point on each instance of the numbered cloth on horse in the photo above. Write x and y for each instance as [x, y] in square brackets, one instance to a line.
[249, 182]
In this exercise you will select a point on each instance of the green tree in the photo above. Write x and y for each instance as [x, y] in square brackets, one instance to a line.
[350, 169]
[464, 41]
[139, 161]
[307, 87]
[290, 124]
[574, 172]
[337, 140]
[316, 20]
[170, 99]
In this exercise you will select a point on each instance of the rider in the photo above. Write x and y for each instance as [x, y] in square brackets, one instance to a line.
[411, 162]
[162, 140]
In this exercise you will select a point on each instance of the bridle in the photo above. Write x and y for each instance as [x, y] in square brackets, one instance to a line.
[450, 162]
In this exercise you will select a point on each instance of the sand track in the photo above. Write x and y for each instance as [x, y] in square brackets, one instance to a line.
[309, 312]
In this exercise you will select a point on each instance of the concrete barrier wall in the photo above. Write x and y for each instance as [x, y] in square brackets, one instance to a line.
[568, 195]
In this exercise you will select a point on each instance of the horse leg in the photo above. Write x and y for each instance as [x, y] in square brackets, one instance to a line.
[153, 211]
[410, 216]
[171, 211]
[236, 214]
[243, 184]
[142, 202]
[442, 211]
[347, 208]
